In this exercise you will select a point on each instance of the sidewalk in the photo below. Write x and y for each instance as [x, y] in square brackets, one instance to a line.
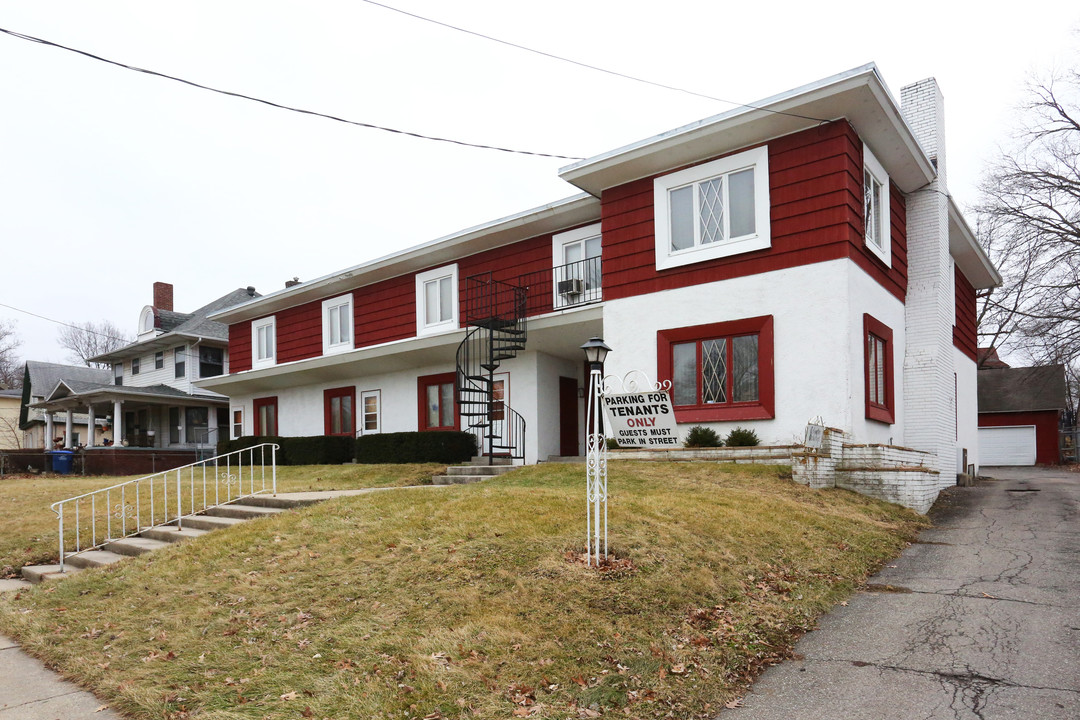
[30, 691]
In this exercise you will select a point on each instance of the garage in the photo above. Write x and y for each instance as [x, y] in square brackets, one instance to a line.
[1010, 445]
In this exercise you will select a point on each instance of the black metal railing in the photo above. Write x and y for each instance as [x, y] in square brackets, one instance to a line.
[562, 287]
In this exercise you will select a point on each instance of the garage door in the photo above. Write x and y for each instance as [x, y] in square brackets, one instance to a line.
[1014, 445]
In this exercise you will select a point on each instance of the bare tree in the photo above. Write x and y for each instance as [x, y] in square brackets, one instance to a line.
[11, 368]
[10, 434]
[89, 339]
[1029, 224]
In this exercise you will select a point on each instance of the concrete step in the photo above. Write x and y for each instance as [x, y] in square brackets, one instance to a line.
[170, 534]
[13, 585]
[93, 559]
[44, 573]
[457, 479]
[566, 458]
[210, 522]
[242, 512]
[277, 501]
[479, 469]
[133, 546]
[484, 460]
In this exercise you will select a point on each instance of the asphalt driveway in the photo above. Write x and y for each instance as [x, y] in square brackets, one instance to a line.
[980, 619]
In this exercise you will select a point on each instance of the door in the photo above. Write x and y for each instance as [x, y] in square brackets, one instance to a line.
[568, 417]
[1013, 445]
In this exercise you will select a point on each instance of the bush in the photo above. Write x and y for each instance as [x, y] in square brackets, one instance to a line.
[741, 437]
[416, 447]
[612, 443]
[700, 436]
[309, 450]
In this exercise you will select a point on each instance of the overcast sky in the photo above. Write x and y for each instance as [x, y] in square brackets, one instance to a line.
[111, 180]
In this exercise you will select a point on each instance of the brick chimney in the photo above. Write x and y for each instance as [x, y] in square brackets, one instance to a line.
[163, 296]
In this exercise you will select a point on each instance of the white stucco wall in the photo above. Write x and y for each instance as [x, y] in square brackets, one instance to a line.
[816, 327]
[967, 410]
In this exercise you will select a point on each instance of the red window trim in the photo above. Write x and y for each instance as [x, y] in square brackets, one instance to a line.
[883, 413]
[763, 408]
[263, 402]
[422, 384]
[349, 392]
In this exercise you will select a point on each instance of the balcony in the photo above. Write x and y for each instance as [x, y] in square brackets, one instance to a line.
[565, 286]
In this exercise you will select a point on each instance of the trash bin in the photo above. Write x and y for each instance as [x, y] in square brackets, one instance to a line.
[62, 461]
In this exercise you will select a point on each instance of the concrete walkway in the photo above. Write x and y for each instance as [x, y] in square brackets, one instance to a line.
[979, 620]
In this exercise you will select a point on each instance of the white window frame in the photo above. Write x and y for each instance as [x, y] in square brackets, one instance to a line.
[760, 239]
[344, 303]
[877, 170]
[233, 424]
[256, 325]
[559, 242]
[361, 427]
[423, 327]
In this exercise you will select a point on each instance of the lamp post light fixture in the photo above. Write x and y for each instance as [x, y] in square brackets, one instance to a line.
[596, 352]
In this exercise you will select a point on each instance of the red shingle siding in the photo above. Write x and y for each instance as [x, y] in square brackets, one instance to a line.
[965, 330]
[239, 347]
[1046, 430]
[299, 332]
[385, 311]
[815, 189]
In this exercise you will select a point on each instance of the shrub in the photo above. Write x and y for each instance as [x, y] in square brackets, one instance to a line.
[700, 436]
[416, 447]
[612, 444]
[309, 450]
[741, 437]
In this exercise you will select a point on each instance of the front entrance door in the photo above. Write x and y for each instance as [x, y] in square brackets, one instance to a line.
[568, 417]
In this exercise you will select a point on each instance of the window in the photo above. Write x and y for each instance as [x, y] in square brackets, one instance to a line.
[211, 362]
[263, 343]
[576, 259]
[118, 373]
[180, 361]
[266, 416]
[437, 408]
[878, 370]
[370, 400]
[197, 425]
[437, 300]
[713, 210]
[159, 359]
[339, 406]
[876, 207]
[237, 423]
[135, 366]
[721, 371]
[337, 324]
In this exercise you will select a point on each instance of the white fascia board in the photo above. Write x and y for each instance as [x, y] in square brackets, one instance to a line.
[158, 342]
[968, 254]
[859, 95]
[559, 215]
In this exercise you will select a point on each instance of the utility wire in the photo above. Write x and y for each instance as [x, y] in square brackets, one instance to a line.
[31, 38]
[58, 322]
[587, 65]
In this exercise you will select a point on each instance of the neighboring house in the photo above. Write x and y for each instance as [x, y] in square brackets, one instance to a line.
[11, 437]
[1020, 413]
[799, 258]
[149, 398]
[40, 428]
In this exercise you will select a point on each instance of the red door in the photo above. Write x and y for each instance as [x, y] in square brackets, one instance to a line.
[568, 417]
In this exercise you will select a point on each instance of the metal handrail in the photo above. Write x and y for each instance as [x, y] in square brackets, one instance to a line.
[227, 470]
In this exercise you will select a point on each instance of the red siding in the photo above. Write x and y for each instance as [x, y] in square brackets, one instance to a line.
[385, 311]
[239, 347]
[1046, 430]
[299, 332]
[815, 189]
[965, 328]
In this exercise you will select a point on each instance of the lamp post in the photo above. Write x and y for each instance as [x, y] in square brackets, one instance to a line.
[596, 352]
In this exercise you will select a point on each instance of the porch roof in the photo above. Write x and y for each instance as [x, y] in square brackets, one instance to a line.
[72, 394]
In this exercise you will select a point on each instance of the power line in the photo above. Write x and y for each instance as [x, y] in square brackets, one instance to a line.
[587, 65]
[280, 106]
[58, 322]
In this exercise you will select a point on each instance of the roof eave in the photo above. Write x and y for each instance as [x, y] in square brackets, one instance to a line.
[858, 95]
[158, 342]
[968, 254]
[562, 214]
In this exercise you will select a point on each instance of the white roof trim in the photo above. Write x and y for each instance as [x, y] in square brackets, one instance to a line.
[968, 254]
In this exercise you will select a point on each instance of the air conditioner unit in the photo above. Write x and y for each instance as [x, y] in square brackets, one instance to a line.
[568, 288]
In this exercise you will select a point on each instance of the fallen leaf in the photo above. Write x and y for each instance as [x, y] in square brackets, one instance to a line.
[103, 707]
[678, 669]
[307, 712]
[733, 703]
[290, 695]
